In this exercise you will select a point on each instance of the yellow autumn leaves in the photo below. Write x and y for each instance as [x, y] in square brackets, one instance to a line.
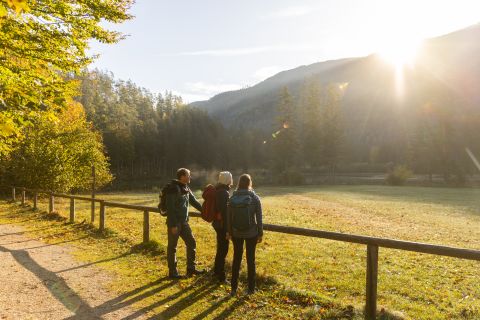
[16, 5]
[7, 126]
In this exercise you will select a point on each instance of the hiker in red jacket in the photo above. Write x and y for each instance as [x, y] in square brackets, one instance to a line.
[222, 188]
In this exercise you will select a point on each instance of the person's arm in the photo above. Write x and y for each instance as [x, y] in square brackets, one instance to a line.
[229, 223]
[222, 202]
[194, 202]
[171, 212]
[259, 216]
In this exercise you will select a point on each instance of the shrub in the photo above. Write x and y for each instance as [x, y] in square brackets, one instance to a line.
[398, 176]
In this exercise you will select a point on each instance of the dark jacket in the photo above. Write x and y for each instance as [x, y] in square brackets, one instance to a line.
[222, 196]
[256, 229]
[178, 203]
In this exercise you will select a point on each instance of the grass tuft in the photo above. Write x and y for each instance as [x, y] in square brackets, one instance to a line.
[152, 248]
[53, 216]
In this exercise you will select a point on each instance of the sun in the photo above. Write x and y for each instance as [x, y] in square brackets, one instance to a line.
[400, 52]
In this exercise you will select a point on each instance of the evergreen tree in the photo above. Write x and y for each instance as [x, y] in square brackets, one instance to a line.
[285, 140]
[331, 127]
[310, 103]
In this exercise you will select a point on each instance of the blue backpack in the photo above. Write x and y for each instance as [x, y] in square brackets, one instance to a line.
[243, 210]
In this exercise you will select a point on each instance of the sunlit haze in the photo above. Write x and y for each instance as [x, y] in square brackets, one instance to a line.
[199, 49]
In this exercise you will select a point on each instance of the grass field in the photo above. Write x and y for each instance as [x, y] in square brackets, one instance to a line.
[299, 277]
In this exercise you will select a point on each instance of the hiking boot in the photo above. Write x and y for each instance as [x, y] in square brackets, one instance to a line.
[175, 276]
[195, 272]
[221, 278]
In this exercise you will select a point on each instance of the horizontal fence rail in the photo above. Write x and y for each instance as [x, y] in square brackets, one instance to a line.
[373, 243]
[380, 242]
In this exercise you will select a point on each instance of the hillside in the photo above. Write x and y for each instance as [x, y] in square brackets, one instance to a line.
[446, 77]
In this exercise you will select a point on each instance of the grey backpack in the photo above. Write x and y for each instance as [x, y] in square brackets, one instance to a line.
[243, 210]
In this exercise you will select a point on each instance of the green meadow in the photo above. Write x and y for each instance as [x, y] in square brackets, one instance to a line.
[298, 277]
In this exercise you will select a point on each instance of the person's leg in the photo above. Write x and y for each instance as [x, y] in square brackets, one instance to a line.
[251, 245]
[187, 236]
[237, 260]
[172, 253]
[222, 250]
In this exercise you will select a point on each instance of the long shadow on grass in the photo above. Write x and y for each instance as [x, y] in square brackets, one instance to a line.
[26, 231]
[188, 300]
[94, 263]
[189, 295]
[120, 302]
[42, 246]
[192, 293]
[212, 308]
[56, 243]
[228, 311]
[17, 222]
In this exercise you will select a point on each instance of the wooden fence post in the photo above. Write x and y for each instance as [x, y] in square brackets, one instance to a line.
[92, 215]
[102, 215]
[14, 198]
[35, 201]
[23, 196]
[72, 210]
[372, 279]
[146, 226]
[92, 209]
[51, 203]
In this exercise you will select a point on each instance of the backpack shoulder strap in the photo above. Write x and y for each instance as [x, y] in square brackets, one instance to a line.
[177, 190]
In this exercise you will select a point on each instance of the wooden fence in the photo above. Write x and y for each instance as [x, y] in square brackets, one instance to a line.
[372, 243]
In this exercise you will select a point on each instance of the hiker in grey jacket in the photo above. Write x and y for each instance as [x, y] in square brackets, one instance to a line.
[177, 202]
[243, 228]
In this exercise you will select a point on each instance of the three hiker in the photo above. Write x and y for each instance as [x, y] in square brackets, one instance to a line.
[238, 218]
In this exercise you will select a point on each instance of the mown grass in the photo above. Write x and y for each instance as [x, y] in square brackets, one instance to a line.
[299, 277]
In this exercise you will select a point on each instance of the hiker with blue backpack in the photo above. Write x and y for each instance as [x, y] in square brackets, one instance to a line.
[244, 225]
[175, 199]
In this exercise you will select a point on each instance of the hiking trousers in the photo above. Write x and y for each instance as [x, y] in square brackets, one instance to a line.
[222, 251]
[251, 244]
[184, 232]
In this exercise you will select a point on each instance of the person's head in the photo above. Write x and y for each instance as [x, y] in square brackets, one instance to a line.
[244, 182]
[225, 178]
[183, 175]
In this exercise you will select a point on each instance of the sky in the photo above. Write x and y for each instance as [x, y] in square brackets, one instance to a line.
[197, 49]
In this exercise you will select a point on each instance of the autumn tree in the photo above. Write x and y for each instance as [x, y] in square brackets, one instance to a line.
[58, 155]
[42, 43]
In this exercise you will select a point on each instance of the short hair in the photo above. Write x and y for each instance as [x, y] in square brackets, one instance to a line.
[182, 172]
[244, 182]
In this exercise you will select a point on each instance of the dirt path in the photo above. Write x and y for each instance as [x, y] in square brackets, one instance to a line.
[41, 281]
